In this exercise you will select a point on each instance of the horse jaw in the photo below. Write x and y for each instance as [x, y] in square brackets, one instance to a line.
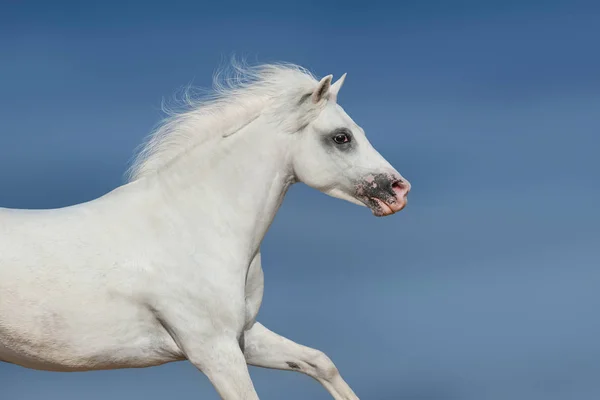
[340, 194]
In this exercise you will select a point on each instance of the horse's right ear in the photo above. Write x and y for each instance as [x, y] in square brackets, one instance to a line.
[322, 89]
[335, 88]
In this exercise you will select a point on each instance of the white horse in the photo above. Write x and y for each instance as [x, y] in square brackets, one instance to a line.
[167, 267]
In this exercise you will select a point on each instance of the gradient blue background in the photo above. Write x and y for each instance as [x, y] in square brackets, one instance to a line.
[487, 286]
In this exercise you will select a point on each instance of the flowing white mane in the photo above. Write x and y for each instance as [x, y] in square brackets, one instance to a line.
[240, 94]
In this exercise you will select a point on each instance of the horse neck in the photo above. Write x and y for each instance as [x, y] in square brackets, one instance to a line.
[231, 186]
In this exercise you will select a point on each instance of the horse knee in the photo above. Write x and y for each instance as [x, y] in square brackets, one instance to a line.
[324, 367]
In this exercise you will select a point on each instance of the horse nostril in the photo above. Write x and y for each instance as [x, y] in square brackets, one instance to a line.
[401, 186]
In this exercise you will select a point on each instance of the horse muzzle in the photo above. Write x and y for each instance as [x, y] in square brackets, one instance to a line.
[384, 194]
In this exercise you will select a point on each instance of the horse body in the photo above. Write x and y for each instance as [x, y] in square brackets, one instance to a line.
[93, 276]
[71, 293]
[167, 267]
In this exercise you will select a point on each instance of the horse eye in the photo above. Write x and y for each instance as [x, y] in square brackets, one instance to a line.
[341, 138]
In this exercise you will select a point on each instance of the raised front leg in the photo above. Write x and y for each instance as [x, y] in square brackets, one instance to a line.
[264, 348]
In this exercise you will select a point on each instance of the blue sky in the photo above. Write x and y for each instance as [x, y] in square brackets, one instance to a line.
[485, 288]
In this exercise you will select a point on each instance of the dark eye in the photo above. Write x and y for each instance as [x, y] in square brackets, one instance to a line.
[341, 138]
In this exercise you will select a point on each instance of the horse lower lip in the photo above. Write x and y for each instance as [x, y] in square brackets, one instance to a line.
[383, 209]
[386, 208]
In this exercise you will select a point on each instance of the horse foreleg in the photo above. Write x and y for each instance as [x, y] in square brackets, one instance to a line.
[264, 348]
[227, 370]
[223, 362]
[218, 356]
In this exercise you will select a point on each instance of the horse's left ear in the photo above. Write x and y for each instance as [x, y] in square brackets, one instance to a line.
[335, 88]
[322, 89]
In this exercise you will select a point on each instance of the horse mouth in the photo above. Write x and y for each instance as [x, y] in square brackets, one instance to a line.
[381, 208]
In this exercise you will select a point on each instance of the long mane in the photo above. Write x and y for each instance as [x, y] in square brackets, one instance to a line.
[239, 95]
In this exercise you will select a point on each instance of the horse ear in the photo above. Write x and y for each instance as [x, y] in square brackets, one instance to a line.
[322, 89]
[335, 88]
